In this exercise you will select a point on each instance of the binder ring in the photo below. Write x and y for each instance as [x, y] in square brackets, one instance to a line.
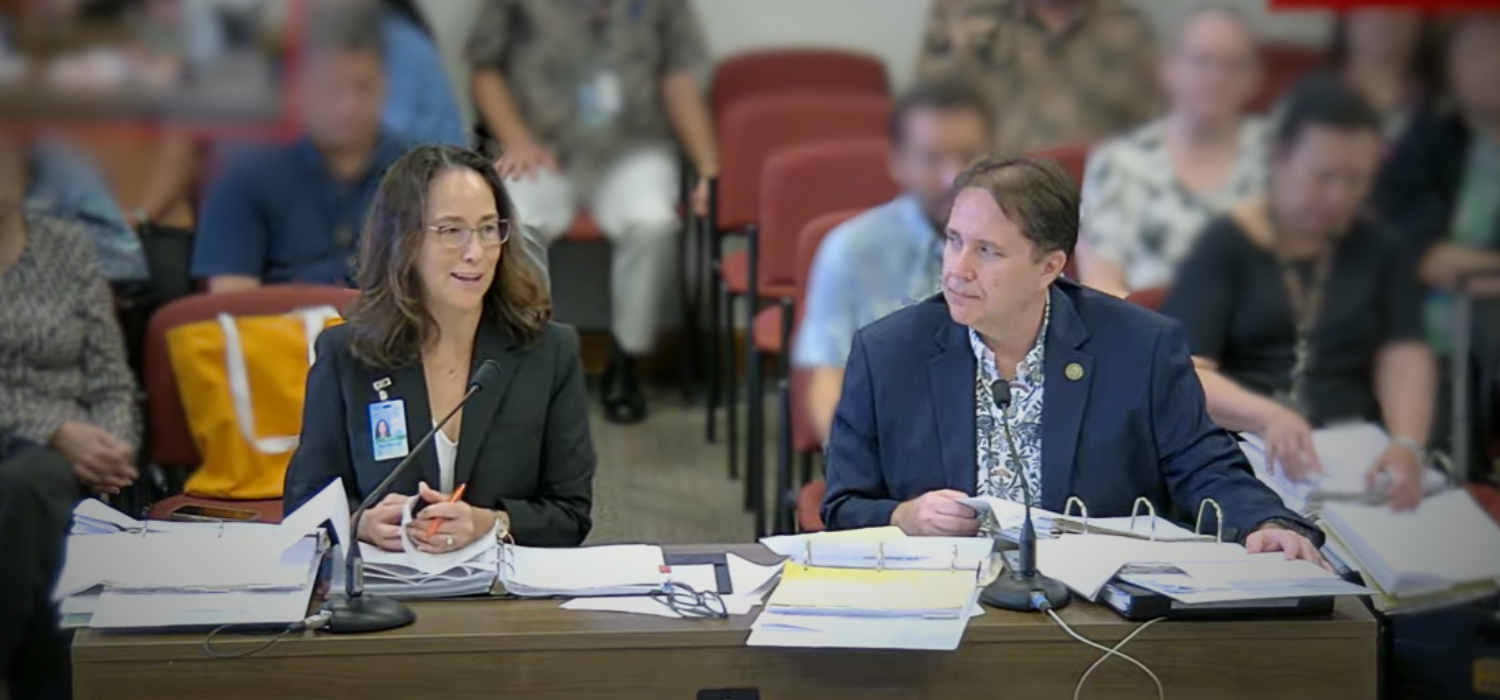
[1218, 519]
[954, 565]
[806, 555]
[880, 557]
[1150, 511]
[1083, 511]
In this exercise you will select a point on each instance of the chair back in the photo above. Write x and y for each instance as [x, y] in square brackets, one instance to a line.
[1072, 158]
[1150, 298]
[754, 129]
[804, 436]
[760, 73]
[800, 183]
[1282, 65]
[171, 442]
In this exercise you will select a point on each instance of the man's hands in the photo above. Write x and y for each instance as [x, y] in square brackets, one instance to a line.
[458, 523]
[936, 513]
[1405, 470]
[101, 461]
[1272, 537]
[381, 524]
[523, 160]
[1289, 442]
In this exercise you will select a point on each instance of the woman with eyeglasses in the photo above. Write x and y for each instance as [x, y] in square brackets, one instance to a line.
[442, 291]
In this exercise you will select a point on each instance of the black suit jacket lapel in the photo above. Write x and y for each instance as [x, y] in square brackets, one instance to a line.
[491, 342]
[1069, 374]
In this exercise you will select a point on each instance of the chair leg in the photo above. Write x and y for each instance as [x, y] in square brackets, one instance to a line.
[786, 496]
[728, 372]
[754, 434]
[807, 468]
[689, 365]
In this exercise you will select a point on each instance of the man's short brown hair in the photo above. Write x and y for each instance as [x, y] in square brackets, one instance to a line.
[1034, 193]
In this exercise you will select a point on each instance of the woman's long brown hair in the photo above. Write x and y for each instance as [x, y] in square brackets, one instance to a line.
[390, 321]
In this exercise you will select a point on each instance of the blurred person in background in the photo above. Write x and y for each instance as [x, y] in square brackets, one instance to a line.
[890, 256]
[1059, 72]
[293, 213]
[65, 184]
[1385, 53]
[584, 98]
[1441, 190]
[67, 418]
[1300, 311]
[1148, 194]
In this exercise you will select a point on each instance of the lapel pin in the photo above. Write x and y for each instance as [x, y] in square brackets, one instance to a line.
[1073, 371]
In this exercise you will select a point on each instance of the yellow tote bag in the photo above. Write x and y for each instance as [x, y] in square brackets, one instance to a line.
[242, 382]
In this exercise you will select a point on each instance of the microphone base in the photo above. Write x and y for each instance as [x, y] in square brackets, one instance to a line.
[364, 614]
[1013, 592]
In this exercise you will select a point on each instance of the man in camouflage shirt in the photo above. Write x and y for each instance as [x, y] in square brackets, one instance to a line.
[1059, 71]
[582, 99]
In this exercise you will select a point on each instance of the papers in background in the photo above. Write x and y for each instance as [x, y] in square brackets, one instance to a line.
[1255, 577]
[1346, 453]
[633, 569]
[749, 580]
[1447, 546]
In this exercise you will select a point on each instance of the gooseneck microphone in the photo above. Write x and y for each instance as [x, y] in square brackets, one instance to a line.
[354, 612]
[1022, 588]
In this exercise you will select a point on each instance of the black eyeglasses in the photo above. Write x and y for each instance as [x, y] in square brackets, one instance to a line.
[683, 600]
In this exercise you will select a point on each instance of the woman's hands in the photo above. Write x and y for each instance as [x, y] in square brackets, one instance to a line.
[458, 523]
[381, 524]
[101, 461]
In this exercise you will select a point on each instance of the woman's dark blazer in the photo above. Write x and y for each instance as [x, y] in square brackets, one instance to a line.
[524, 446]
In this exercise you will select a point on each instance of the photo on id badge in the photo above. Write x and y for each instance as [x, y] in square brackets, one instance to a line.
[388, 430]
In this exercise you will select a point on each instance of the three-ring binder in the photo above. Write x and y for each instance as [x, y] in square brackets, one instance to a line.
[807, 558]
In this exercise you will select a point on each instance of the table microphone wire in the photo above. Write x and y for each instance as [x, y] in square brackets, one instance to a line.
[1040, 602]
[315, 622]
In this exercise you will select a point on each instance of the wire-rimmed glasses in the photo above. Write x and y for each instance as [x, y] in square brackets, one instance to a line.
[687, 602]
[491, 234]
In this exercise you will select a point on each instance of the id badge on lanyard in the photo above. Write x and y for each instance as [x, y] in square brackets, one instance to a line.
[600, 94]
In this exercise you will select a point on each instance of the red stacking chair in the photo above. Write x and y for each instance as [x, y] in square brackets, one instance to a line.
[752, 76]
[1072, 159]
[1282, 65]
[799, 183]
[753, 130]
[794, 70]
[1150, 298]
[797, 432]
[170, 442]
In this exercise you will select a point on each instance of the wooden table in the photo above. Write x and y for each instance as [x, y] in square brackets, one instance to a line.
[533, 650]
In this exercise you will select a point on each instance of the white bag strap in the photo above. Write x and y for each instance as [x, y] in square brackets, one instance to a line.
[239, 379]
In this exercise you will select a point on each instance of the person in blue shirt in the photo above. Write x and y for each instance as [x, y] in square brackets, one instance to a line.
[293, 213]
[420, 103]
[64, 184]
[890, 256]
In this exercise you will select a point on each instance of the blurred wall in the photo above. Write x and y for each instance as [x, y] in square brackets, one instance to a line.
[890, 29]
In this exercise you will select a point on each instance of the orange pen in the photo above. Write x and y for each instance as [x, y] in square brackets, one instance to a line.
[457, 494]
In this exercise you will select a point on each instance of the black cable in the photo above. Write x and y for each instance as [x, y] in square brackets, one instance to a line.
[315, 622]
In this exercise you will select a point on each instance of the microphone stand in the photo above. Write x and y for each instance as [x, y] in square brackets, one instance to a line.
[1022, 589]
[353, 612]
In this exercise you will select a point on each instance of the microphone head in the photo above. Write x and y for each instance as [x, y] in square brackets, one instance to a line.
[1000, 394]
[486, 376]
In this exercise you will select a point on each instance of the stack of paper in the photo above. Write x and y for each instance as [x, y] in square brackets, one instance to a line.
[1253, 577]
[872, 589]
[160, 574]
[1346, 453]
[632, 569]
[1445, 552]
[1010, 516]
[412, 573]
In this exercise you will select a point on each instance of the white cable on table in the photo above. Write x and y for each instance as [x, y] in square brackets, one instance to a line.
[1161, 692]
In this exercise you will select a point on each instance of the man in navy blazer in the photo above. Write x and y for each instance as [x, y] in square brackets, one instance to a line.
[1098, 395]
